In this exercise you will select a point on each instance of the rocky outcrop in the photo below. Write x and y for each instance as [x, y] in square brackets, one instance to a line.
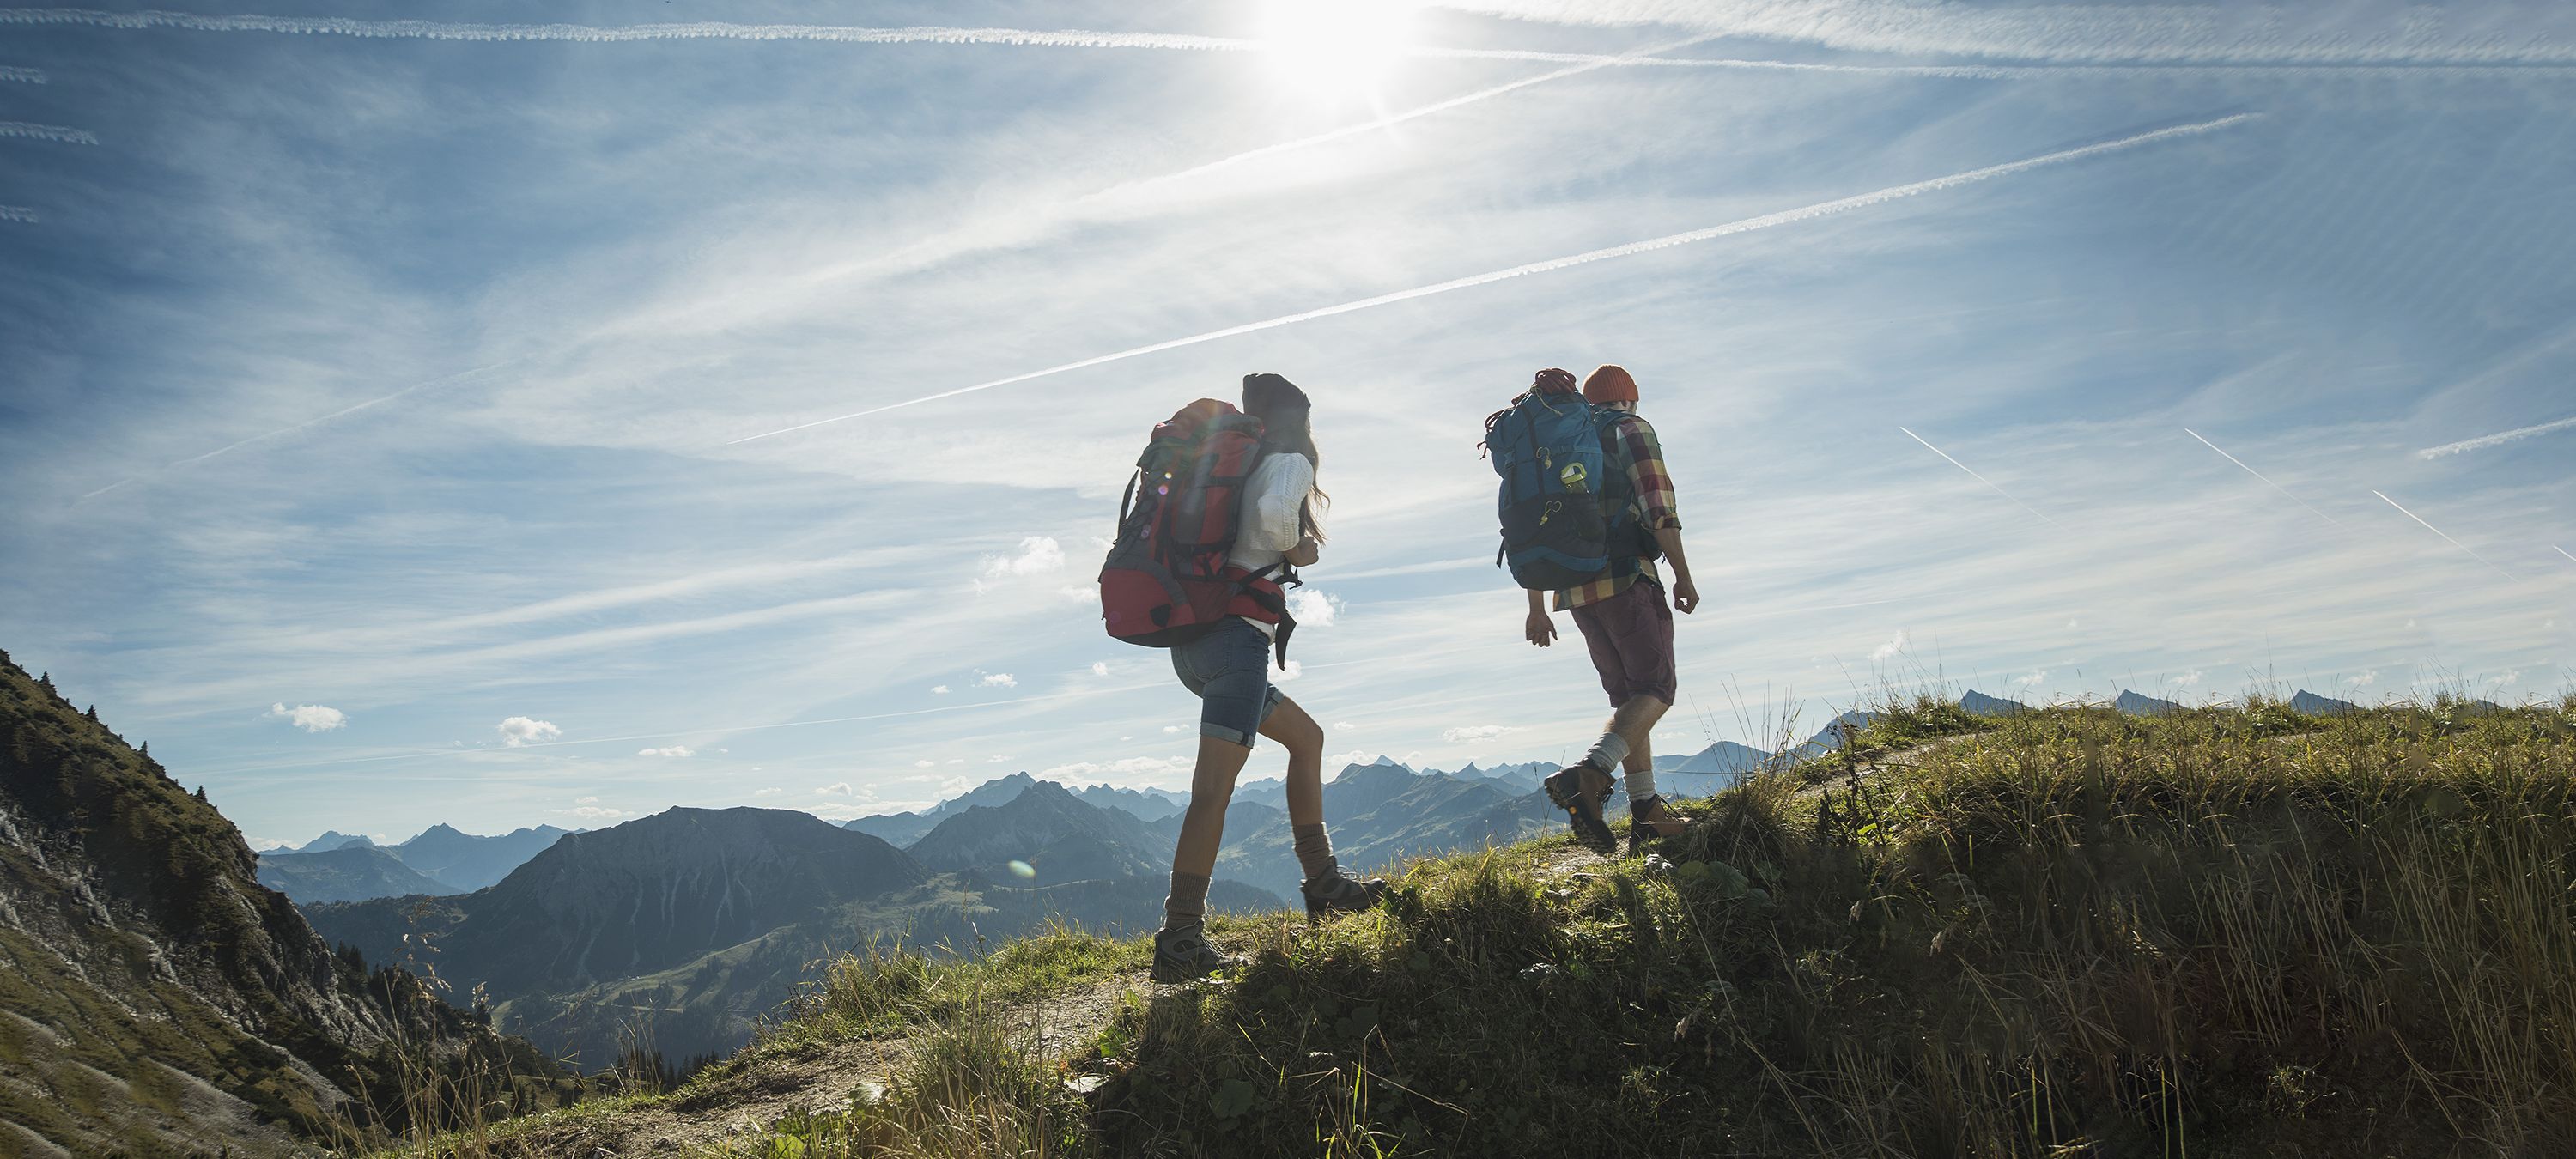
[135, 940]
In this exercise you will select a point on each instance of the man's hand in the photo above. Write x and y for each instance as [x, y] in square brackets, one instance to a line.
[1541, 628]
[1685, 594]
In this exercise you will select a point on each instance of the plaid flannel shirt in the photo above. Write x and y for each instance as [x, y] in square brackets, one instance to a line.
[1654, 506]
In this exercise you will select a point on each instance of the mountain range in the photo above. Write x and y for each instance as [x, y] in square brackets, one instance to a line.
[440, 860]
[350, 873]
[709, 919]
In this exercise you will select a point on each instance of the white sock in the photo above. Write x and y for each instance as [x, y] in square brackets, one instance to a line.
[1607, 753]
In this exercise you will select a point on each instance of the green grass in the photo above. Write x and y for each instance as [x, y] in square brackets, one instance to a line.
[888, 990]
[2229, 932]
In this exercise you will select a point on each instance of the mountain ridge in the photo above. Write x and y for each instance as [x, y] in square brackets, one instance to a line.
[136, 944]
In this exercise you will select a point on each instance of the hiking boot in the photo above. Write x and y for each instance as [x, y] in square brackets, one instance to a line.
[1184, 955]
[1334, 893]
[1580, 790]
[1649, 821]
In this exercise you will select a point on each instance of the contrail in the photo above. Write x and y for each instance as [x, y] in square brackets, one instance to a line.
[2498, 439]
[1748, 225]
[1181, 175]
[2563, 551]
[2446, 538]
[842, 34]
[2259, 475]
[17, 213]
[62, 133]
[343, 412]
[1393, 119]
[21, 75]
[1990, 484]
[1082, 38]
[1267, 150]
[2234, 33]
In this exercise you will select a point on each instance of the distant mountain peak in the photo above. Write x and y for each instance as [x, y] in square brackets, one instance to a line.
[334, 839]
[1976, 703]
[2314, 705]
[2141, 704]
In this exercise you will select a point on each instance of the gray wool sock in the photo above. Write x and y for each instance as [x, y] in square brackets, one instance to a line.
[1315, 851]
[1641, 785]
[1607, 752]
[1186, 906]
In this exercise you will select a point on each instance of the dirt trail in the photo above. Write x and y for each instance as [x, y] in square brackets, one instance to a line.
[746, 1103]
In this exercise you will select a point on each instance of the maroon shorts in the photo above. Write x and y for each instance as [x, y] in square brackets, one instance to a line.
[1631, 639]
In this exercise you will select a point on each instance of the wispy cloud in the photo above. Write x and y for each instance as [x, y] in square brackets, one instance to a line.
[2249, 34]
[1391, 120]
[17, 213]
[1990, 484]
[310, 717]
[1747, 225]
[607, 34]
[673, 751]
[1313, 608]
[2446, 538]
[21, 75]
[923, 35]
[1038, 555]
[2500, 438]
[1895, 645]
[1476, 733]
[61, 133]
[308, 424]
[2259, 475]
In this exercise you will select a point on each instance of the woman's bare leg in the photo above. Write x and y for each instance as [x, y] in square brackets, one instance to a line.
[1304, 740]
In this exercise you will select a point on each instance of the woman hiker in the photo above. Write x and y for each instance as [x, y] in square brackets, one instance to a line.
[1229, 668]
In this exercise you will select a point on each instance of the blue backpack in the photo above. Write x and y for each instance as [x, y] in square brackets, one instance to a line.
[1566, 501]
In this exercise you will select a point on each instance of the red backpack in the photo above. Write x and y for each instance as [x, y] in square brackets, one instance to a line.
[1166, 581]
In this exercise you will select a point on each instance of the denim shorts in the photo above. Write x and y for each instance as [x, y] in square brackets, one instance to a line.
[1229, 669]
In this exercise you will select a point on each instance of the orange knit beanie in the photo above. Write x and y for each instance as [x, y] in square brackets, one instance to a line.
[1609, 383]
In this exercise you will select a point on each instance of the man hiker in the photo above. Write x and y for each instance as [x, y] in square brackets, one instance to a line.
[1625, 622]
[1223, 509]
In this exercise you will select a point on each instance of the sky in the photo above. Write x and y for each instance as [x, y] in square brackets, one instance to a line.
[411, 416]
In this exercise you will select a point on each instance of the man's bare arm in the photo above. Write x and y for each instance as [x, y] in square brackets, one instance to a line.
[1540, 628]
[1685, 593]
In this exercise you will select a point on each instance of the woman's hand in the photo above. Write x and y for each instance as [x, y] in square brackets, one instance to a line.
[1306, 552]
[1540, 629]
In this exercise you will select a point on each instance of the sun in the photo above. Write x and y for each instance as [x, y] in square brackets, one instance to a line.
[1337, 48]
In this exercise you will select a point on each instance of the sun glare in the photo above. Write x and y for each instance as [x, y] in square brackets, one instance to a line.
[1336, 48]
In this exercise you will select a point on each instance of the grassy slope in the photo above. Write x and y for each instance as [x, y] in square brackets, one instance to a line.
[2068, 933]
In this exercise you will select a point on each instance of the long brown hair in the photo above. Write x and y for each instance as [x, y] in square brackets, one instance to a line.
[1287, 424]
